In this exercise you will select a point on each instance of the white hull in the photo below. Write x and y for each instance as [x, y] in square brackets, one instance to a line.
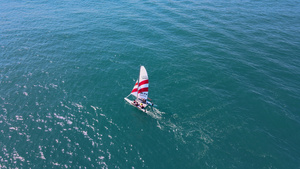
[131, 102]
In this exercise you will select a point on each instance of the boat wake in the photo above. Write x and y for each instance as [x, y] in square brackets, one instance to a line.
[155, 113]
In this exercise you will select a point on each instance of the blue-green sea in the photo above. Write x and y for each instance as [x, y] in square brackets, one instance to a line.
[224, 74]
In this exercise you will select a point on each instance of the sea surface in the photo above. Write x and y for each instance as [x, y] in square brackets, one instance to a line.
[225, 76]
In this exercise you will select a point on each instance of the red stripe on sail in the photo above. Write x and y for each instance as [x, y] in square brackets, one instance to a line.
[144, 82]
[134, 90]
[143, 90]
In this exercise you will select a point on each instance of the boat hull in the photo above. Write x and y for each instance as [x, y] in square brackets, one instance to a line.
[131, 102]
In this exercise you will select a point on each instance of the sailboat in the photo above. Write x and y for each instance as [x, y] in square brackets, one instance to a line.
[140, 91]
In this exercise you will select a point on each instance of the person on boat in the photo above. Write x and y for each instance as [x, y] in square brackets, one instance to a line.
[135, 103]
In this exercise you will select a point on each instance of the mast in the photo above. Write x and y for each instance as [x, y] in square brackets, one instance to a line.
[137, 95]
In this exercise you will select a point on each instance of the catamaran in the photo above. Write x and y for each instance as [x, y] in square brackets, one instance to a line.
[140, 91]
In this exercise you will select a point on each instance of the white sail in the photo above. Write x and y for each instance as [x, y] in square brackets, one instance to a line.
[143, 84]
[134, 91]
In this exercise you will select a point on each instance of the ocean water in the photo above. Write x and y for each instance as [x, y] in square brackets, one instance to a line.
[224, 75]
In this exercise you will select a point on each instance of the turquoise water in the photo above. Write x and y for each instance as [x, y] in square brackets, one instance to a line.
[224, 74]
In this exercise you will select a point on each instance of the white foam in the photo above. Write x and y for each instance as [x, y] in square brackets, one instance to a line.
[69, 122]
[13, 128]
[59, 117]
[77, 105]
[42, 154]
[57, 164]
[155, 113]
[19, 117]
[16, 156]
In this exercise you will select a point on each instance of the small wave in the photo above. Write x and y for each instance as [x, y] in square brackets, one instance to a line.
[16, 156]
[59, 117]
[41, 153]
[79, 106]
[96, 108]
